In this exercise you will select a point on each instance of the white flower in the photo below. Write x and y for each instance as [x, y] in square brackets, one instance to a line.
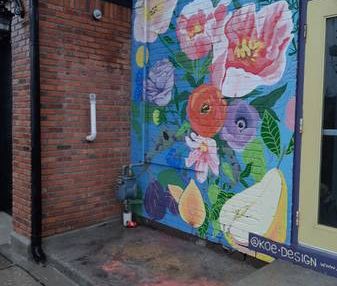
[152, 17]
[204, 155]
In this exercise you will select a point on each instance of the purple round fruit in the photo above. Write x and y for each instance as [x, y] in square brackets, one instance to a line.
[171, 204]
[154, 201]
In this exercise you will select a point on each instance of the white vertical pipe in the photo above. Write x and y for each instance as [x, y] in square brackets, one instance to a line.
[93, 134]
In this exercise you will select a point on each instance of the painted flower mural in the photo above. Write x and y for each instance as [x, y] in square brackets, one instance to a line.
[206, 110]
[152, 18]
[260, 209]
[191, 204]
[290, 113]
[196, 27]
[241, 124]
[203, 155]
[160, 83]
[154, 200]
[257, 46]
[219, 121]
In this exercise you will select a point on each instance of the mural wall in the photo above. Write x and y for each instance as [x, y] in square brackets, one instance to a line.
[213, 110]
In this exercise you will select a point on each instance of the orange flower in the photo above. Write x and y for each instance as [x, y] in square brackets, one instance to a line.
[206, 110]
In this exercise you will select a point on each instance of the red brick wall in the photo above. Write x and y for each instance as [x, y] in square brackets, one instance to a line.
[21, 125]
[80, 56]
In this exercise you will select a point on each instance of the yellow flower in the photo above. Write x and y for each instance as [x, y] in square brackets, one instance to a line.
[190, 203]
[142, 56]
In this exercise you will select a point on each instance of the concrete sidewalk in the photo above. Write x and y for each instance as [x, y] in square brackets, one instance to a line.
[15, 271]
[112, 255]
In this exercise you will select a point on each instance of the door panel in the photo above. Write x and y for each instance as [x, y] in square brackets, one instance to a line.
[318, 181]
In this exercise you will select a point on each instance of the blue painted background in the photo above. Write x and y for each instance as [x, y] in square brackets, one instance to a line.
[159, 131]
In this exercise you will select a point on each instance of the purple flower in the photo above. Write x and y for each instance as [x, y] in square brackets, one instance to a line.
[241, 124]
[160, 83]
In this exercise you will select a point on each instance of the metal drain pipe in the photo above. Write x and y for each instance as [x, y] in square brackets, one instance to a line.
[36, 195]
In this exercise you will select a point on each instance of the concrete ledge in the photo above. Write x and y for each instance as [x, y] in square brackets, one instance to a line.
[20, 245]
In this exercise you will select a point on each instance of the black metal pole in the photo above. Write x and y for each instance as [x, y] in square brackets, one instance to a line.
[36, 195]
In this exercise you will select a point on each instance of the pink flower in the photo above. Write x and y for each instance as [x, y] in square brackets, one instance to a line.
[204, 155]
[290, 113]
[196, 27]
[152, 18]
[254, 52]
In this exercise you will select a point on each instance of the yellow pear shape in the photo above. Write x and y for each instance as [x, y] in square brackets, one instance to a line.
[260, 209]
[278, 229]
[176, 192]
[191, 206]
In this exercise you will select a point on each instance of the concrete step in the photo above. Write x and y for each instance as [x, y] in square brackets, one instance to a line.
[280, 273]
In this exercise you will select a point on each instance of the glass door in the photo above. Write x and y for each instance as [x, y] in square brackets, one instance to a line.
[318, 181]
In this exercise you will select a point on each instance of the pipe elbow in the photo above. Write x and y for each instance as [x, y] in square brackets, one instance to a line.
[93, 122]
[91, 137]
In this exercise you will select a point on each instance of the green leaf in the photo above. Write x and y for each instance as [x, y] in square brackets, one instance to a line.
[246, 172]
[244, 183]
[291, 145]
[190, 79]
[207, 63]
[176, 100]
[169, 177]
[253, 93]
[268, 101]
[228, 171]
[270, 133]
[186, 126]
[174, 62]
[216, 227]
[222, 198]
[182, 60]
[215, 2]
[184, 95]
[254, 152]
[273, 113]
[213, 192]
[183, 111]
[149, 109]
[172, 27]
[204, 228]
[236, 4]
[135, 110]
[180, 97]
[135, 120]
[168, 40]
[201, 81]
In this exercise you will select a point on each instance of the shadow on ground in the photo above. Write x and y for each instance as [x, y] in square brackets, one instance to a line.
[112, 255]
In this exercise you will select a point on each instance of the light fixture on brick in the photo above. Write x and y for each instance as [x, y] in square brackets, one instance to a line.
[97, 14]
[8, 9]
